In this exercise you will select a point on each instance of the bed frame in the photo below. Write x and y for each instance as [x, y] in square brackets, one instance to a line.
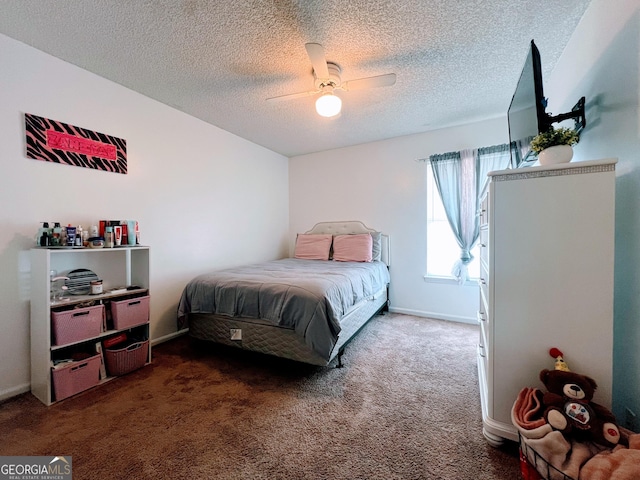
[259, 336]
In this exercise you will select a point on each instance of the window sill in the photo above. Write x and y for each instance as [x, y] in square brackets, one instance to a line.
[473, 282]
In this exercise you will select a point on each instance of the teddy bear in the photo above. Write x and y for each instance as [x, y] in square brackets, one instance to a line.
[569, 407]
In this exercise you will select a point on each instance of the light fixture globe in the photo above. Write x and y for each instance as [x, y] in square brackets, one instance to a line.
[328, 105]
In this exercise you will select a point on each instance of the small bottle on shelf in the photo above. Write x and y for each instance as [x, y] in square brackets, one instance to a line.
[79, 236]
[44, 239]
[108, 237]
[57, 234]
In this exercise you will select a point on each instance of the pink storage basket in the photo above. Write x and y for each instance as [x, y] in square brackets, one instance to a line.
[75, 377]
[127, 359]
[75, 325]
[131, 312]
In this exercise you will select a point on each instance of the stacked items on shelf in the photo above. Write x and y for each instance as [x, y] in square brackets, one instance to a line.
[109, 233]
[70, 319]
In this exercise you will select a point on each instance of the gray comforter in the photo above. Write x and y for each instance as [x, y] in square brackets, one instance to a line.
[309, 296]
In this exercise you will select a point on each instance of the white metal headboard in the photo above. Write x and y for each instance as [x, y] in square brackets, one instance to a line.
[352, 227]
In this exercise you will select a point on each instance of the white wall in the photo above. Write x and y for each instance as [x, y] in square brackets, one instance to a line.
[204, 197]
[382, 184]
[602, 63]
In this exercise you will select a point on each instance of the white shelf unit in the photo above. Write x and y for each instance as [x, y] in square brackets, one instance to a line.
[116, 267]
[547, 257]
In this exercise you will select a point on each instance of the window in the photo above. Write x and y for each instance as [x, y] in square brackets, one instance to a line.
[442, 248]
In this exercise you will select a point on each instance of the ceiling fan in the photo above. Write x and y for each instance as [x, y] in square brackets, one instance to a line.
[327, 80]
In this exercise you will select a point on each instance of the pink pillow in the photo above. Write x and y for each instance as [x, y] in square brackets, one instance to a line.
[353, 248]
[312, 247]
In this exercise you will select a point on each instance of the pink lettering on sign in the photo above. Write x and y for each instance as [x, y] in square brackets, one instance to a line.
[83, 146]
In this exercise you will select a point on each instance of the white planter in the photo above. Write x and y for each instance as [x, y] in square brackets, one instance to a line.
[556, 154]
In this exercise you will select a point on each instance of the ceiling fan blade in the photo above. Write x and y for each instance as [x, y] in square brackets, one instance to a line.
[292, 96]
[318, 61]
[370, 82]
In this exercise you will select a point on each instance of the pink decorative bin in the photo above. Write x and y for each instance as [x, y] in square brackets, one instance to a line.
[129, 313]
[75, 377]
[127, 359]
[75, 325]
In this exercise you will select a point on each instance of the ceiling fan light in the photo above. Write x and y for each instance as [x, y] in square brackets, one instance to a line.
[328, 105]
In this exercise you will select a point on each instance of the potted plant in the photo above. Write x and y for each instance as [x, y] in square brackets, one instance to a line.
[555, 145]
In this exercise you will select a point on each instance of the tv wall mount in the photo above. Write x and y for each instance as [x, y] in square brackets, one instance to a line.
[577, 113]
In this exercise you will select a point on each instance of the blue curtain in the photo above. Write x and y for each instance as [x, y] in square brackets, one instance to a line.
[489, 159]
[461, 179]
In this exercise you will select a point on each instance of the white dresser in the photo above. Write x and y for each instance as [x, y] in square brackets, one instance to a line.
[547, 256]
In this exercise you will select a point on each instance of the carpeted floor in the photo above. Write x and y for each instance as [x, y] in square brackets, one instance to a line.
[405, 406]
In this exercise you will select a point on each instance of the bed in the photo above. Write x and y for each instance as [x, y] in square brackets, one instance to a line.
[305, 308]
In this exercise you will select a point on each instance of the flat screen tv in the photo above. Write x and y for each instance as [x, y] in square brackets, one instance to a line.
[527, 112]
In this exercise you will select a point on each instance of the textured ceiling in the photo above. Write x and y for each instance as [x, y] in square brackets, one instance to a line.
[456, 61]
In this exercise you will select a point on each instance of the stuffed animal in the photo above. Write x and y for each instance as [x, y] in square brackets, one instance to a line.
[569, 409]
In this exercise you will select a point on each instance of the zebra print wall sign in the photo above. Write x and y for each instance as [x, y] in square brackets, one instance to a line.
[57, 142]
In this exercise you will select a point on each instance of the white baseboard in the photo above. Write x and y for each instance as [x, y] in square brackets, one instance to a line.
[437, 316]
[168, 337]
[12, 392]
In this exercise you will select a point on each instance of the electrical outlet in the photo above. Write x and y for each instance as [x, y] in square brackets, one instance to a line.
[630, 419]
[236, 334]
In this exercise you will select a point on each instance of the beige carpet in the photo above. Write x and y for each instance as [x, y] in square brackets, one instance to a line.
[405, 406]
